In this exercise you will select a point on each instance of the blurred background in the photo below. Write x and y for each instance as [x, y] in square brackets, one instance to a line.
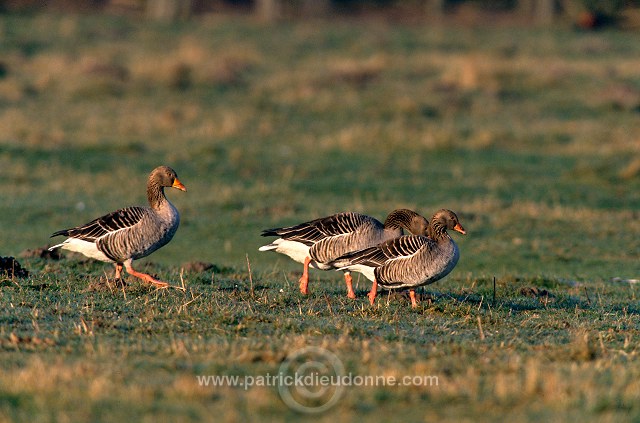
[586, 14]
[521, 116]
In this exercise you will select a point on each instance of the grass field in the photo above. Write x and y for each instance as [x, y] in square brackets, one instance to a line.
[530, 135]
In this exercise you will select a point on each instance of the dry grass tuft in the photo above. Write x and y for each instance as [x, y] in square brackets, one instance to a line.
[358, 72]
[631, 170]
[583, 347]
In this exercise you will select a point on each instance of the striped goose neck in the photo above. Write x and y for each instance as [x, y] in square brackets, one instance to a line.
[155, 193]
[400, 219]
[437, 230]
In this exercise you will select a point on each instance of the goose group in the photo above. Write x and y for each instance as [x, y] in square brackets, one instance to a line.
[408, 261]
[318, 242]
[345, 241]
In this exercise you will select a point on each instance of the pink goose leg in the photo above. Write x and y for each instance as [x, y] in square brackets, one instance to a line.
[412, 295]
[304, 279]
[374, 291]
[144, 276]
[349, 281]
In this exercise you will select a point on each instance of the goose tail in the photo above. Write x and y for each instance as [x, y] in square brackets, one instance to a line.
[268, 247]
[55, 246]
[64, 232]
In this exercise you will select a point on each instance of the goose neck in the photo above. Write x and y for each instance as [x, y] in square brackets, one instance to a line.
[155, 195]
[437, 231]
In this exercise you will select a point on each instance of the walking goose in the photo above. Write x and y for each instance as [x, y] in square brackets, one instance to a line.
[132, 232]
[409, 261]
[318, 242]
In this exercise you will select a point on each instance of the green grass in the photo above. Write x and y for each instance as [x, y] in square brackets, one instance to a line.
[528, 134]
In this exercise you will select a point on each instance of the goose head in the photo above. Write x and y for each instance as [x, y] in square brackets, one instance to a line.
[441, 221]
[407, 219]
[160, 178]
[164, 176]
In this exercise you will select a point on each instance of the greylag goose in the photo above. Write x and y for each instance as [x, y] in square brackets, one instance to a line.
[318, 242]
[132, 232]
[409, 261]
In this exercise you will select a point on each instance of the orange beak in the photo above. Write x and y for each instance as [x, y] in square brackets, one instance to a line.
[459, 228]
[177, 184]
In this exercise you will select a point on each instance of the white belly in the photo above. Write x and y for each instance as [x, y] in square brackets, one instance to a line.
[89, 249]
[367, 271]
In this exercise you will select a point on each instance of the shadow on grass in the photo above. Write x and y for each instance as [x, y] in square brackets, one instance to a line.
[527, 300]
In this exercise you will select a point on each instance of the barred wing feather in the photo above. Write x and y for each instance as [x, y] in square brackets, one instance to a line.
[316, 230]
[402, 247]
[107, 224]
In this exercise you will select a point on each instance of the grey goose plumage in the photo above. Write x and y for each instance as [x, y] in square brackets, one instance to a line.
[132, 232]
[408, 261]
[317, 242]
